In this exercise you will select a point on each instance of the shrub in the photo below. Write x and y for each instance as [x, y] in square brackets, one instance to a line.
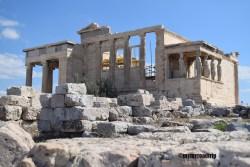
[220, 125]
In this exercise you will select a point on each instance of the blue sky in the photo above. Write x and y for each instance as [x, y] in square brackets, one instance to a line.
[27, 23]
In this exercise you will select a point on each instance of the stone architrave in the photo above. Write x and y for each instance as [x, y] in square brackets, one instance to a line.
[182, 66]
[206, 68]
[213, 69]
[219, 70]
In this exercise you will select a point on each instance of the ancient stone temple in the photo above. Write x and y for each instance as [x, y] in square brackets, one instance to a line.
[171, 65]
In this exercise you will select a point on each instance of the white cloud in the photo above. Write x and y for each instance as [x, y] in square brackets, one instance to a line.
[8, 23]
[10, 33]
[244, 73]
[13, 66]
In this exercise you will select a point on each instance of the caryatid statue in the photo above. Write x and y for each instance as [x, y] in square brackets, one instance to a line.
[219, 70]
[206, 69]
[182, 66]
[198, 65]
[213, 73]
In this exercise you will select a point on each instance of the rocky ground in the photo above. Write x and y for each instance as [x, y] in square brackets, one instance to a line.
[71, 128]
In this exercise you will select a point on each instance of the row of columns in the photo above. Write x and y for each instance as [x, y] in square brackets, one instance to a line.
[202, 68]
[127, 60]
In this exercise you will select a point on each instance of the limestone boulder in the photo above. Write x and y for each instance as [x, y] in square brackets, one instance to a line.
[105, 102]
[109, 129]
[76, 126]
[141, 111]
[136, 99]
[205, 123]
[188, 102]
[31, 127]
[168, 123]
[214, 154]
[182, 129]
[72, 88]
[15, 143]
[221, 111]
[119, 113]
[142, 120]
[9, 112]
[162, 103]
[113, 115]
[94, 152]
[180, 114]
[238, 126]
[136, 129]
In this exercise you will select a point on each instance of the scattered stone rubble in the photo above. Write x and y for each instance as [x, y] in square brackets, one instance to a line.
[144, 129]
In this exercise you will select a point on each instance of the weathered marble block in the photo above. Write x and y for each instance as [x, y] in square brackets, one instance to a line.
[76, 126]
[72, 88]
[46, 114]
[14, 100]
[25, 91]
[136, 129]
[109, 129]
[30, 114]
[81, 113]
[45, 100]
[142, 111]
[135, 100]
[79, 100]
[57, 101]
[44, 126]
[8, 112]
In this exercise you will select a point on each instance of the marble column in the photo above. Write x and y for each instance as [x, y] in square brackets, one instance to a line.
[29, 73]
[236, 83]
[127, 62]
[219, 70]
[167, 70]
[198, 65]
[182, 66]
[213, 73]
[62, 68]
[45, 77]
[50, 78]
[142, 61]
[112, 61]
[99, 61]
